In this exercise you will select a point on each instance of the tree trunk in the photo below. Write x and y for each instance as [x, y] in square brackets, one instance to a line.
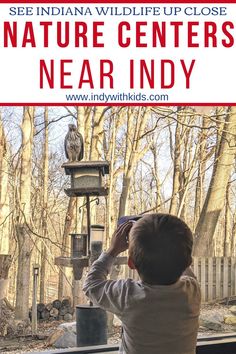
[136, 123]
[233, 233]
[84, 124]
[44, 211]
[227, 229]
[22, 231]
[110, 207]
[97, 136]
[176, 174]
[215, 198]
[156, 178]
[4, 194]
[201, 170]
[5, 263]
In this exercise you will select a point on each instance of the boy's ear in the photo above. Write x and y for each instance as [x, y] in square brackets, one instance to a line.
[130, 263]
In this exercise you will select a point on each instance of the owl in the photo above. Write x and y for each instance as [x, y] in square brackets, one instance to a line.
[74, 145]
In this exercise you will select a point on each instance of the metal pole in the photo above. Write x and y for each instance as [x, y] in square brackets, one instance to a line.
[88, 222]
[34, 299]
[89, 232]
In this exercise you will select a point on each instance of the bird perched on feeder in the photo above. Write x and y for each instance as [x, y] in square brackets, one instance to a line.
[74, 144]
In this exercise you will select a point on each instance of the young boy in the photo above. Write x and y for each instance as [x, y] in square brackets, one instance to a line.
[160, 312]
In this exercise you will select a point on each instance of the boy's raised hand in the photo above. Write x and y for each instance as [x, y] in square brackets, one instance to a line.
[119, 241]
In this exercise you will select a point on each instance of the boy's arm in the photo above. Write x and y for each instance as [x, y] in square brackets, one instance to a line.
[108, 294]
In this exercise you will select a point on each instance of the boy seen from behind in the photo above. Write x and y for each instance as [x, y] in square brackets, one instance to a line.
[160, 312]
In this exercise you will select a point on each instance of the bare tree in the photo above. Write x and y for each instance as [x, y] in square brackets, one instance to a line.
[136, 123]
[201, 160]
[24, 216]
[4, 194]
[215, 197]
[44, 208]
[176, 169]
[227, 227]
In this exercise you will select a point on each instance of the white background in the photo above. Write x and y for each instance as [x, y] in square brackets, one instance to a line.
[212, 80]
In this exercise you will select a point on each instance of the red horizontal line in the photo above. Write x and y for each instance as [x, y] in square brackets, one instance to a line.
[118, 2]
[119, 104]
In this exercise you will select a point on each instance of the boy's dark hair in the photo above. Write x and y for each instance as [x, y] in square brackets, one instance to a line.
[160, 247]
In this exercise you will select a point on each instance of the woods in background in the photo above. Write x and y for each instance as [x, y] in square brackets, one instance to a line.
[162, 159]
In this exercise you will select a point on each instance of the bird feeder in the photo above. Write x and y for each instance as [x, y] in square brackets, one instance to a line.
[97, 233]
[87, 178]
[78, 245]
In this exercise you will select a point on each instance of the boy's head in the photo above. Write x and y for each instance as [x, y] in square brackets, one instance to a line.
[160, 247]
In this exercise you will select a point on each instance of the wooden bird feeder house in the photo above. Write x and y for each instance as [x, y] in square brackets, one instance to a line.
[87, 178]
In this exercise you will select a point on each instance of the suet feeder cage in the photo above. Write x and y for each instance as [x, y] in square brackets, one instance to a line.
[87, 178]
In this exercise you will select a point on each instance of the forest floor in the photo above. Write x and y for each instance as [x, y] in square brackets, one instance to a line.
[26, 344]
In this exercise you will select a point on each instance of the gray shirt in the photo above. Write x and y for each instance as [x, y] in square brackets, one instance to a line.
[156, 319]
